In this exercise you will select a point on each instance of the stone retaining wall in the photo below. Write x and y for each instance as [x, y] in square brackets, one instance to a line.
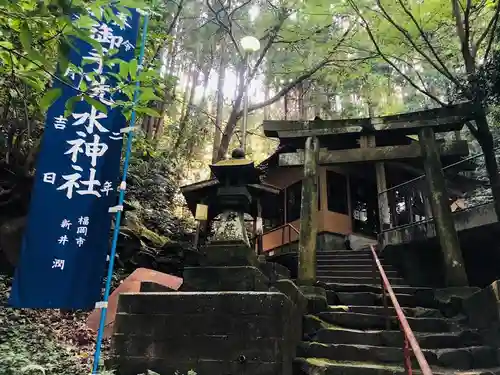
[212, 333]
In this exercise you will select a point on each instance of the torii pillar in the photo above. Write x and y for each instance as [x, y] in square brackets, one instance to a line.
[455, 273]
[306, 273]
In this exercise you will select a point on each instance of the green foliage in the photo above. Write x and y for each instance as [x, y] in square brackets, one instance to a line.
[152, 184]
[27, 344]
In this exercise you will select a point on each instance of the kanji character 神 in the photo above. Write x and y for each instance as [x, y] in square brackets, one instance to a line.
[93, 149]
[92, 119]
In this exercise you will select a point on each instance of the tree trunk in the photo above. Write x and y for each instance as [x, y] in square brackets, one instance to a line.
[485, 139]
[220, 101]
[185, 90]
[266, 97]
[187, 112]
[285, 106]
[229, 130]
[234, 116]
[455, 274]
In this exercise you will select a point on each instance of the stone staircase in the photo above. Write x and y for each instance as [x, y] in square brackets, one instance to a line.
[351, 337]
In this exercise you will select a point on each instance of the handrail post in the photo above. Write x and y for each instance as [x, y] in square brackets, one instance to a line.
[283, 235]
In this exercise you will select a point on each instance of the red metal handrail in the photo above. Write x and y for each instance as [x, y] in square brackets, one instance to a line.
[410, 340]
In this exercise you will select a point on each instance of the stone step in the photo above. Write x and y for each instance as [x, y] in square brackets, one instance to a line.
[344, 252]
[333, 272]
[346, 255]
[371, 299]
[345, 261]
[456, 358]
[348, 267]
[412, 312]
[371, 321]
[357, 280]
[395, 338]
[312, 366]
[376, 288]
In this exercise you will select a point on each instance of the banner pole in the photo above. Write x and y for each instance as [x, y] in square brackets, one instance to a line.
[123, 185]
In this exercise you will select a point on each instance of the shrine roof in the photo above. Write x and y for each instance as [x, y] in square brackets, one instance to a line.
[206, 192]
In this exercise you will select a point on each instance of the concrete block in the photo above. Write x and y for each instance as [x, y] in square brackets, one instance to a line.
[231, 303]
[139, 365]
[224, 278]
[228, 253]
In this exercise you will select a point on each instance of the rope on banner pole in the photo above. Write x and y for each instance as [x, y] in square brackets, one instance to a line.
[119, 208]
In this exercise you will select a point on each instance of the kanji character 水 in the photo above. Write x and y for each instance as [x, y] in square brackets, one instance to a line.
[92, 119]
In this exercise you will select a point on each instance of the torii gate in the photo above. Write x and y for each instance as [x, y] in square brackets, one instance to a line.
[424, 123]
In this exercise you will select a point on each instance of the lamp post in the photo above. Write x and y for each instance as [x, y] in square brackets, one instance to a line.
[249, 44]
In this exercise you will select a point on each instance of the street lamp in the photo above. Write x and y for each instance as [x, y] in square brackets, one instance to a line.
[249, 44]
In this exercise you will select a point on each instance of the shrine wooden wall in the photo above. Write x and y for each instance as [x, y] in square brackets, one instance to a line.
[328, 221]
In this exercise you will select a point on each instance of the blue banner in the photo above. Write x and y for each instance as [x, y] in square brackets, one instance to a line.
[66, 241]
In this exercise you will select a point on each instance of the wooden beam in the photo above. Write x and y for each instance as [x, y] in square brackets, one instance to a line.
[358, 155]
[455, 273]
[443, 119]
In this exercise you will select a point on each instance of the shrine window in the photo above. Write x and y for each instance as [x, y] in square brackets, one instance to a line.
[293, 200]
[336, 185]
[275, 213]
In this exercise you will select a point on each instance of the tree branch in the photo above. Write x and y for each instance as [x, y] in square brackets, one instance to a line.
[169, 31]
[462, 35]
[428, 42]
[306, 75]
[272, 37]
[226, 28]
[467, 11]
[491, 27]
[387, 60]
[419, 50]
[315, 32]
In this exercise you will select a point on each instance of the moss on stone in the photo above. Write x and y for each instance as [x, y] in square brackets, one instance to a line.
[323, 362]
[324, 324]
[156, 239]
[339, 307]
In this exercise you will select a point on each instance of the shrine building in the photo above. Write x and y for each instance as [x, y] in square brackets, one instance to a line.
[362, 169]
